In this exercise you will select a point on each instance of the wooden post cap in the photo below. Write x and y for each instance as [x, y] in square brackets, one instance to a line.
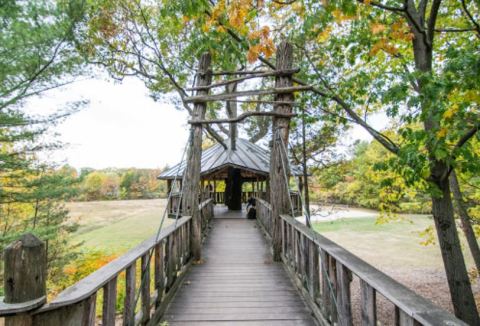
[25, 269]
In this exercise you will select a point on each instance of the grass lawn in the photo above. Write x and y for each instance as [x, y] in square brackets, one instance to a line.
[390, 245]
[116, 226]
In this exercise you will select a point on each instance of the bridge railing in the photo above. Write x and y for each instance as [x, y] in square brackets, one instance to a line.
[323, 271]
[264, 215]
[170, 254]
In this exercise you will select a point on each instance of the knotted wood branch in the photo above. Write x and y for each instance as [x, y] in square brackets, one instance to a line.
[243, 116]
[250, 76]
[227, 96]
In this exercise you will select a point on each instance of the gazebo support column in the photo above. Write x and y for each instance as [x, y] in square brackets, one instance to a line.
[279, 197]
[191, 189]
[233, 189]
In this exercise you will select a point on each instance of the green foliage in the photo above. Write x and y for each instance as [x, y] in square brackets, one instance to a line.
[366, 181]
[37, 53]
[111, 184]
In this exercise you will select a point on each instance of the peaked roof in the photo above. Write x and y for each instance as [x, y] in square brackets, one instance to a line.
[247, 156]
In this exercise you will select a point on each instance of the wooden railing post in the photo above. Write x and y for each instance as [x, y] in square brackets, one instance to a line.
[344, 277]
[25, 271]
[145, 289]
[279, 198]
[191, 189]
[313, 272]
[129, 303]
[109, 303]
[368, 304]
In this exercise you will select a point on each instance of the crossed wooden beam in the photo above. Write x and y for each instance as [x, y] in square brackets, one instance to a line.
[232, 97]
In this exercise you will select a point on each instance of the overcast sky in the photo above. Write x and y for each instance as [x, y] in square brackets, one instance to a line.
[122, 126]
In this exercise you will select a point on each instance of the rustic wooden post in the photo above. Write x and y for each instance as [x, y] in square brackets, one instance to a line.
[192, 179]
[402, 319]
[368, 304]
[344, 277]
[25, 272]
[129, 303]
[109, 303]
[313, 272]
[280, 130]
[145, 289]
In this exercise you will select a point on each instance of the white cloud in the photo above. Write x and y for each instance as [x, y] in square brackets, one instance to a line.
[120, 127]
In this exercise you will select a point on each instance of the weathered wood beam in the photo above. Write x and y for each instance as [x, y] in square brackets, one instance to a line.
[284, 90]
[241, 79]
[239, 72]
[263, 102]
[25, 272]
[192, 172]
[243, 116]
[227, 96]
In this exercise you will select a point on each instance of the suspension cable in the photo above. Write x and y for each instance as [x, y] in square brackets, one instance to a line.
[307, 216]
[159, 229]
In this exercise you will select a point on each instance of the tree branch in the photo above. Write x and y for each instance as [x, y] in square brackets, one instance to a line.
[469, 134]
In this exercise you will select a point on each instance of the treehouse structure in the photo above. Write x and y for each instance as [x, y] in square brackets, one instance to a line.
[272, 271]
[234, 166]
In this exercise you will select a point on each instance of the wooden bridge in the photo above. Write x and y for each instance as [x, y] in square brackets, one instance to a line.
[236, 283]
[227, 270]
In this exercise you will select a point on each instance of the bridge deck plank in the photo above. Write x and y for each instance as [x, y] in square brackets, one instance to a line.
[238, 284]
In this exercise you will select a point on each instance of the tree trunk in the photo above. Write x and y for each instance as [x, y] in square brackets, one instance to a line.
[459, 284]
[453, 260]
[465, 219]
[191, 185]
[232, 113]
[279, 198]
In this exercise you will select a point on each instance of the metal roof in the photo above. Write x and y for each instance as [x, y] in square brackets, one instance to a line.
[246, 156]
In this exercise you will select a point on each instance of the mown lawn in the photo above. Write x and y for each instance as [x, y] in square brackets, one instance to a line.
[395, 244]
[116, 226]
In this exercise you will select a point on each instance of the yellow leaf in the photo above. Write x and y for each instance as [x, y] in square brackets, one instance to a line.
[442, 133]
[323, 36]
[450, 112]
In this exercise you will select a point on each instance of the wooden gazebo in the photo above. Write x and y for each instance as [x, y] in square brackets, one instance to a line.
[225, 171]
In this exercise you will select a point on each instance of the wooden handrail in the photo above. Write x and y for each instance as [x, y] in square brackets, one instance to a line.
[410, 306]
[168, 255]
[89, 285]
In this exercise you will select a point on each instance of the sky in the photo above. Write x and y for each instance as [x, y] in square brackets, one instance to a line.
[122, 127]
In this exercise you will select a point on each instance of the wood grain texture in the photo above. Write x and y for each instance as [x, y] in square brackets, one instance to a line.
[129, 303]
[238, 284]
[109, 302]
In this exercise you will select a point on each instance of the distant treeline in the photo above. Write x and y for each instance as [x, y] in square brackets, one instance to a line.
[114, 184]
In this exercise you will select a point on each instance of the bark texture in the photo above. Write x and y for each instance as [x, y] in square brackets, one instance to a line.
[280, 131]
[458, 281]
[465, 219]
[191, 187]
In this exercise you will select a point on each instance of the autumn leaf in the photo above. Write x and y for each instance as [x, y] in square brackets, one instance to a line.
[442, 133]
[377, 28]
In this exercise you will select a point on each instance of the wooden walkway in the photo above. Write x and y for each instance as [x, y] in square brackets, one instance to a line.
[238, 284]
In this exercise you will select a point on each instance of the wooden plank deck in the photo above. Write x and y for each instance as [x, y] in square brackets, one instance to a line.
[238, 284]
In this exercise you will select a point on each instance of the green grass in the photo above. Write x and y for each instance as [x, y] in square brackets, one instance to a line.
[116, 226]
[392, 245]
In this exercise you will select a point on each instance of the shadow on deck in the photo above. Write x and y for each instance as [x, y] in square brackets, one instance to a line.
[238, 284]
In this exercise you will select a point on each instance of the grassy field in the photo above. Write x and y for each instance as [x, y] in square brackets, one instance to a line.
[395, 244]
[116, 226]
